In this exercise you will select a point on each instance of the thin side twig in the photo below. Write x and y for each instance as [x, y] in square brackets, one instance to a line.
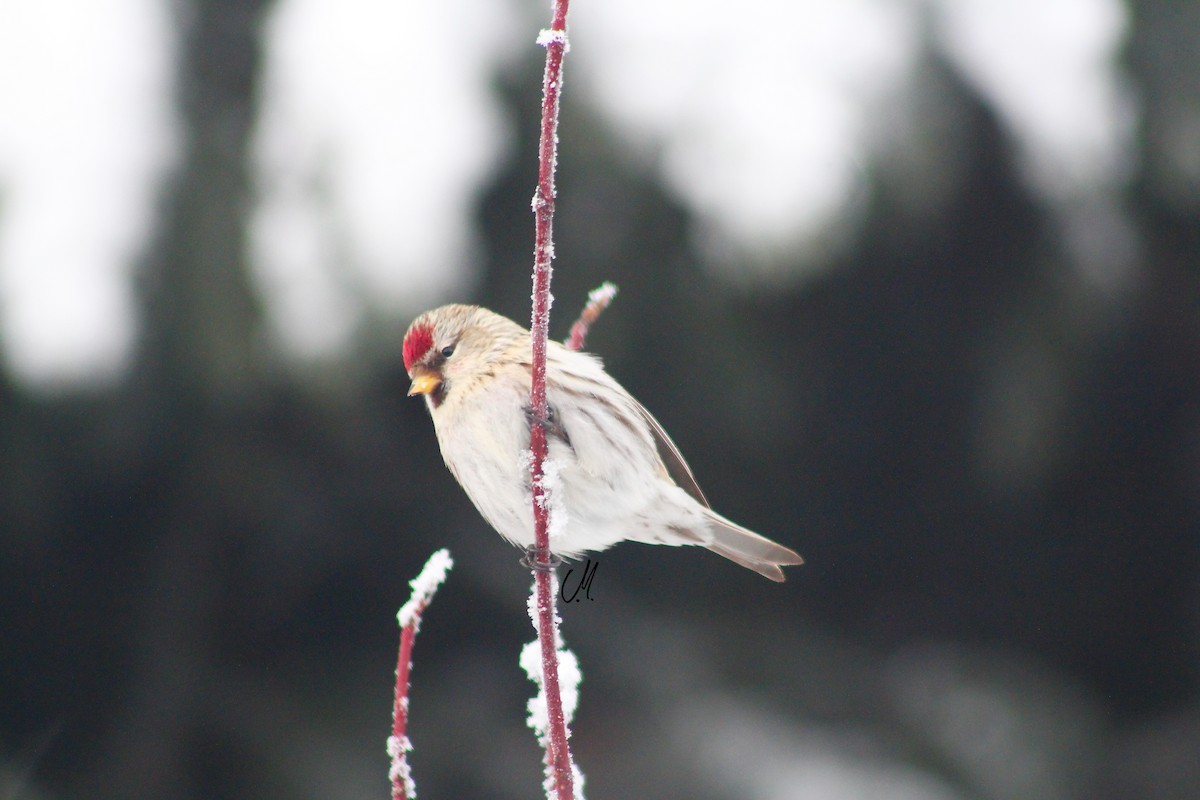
[558, 756]
[423, 588]
[598, 300]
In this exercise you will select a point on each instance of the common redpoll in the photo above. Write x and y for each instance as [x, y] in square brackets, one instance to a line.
[616, 474]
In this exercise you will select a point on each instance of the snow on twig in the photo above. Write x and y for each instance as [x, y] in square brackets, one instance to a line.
[598, 300]
[560, 771]
[569, 677]
[423, 588]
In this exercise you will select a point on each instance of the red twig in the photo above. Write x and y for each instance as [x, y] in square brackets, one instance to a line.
[423, 588]
[558, 755]
[403, 787]
[598, 300]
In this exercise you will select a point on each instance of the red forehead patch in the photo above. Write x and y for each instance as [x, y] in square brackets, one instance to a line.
[416, 345]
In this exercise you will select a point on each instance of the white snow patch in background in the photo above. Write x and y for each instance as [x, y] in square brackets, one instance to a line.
[760, 113]
[1052, 72]
[756, 755]
[86, 134]
[377, 128]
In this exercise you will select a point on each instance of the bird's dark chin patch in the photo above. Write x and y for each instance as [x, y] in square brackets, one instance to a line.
[438, 395]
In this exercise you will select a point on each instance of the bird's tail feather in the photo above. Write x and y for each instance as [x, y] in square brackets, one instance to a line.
[749, 549]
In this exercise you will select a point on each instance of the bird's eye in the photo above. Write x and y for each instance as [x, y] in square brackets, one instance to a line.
[447, 351]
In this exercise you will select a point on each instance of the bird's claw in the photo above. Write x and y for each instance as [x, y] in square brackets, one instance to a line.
[550, 423]
[533, 560]
[547, 421]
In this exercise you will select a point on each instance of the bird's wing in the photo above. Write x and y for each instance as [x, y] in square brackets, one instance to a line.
[580, 377]
[672, 459]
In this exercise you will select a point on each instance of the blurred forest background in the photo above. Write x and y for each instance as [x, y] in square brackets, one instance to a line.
[989, 456]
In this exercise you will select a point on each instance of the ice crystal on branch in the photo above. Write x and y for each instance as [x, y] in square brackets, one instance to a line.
[398, 746]
[549, 36]
[400, 774]
[424, 586]
[598, 300]
[560, 771]
[533, 661]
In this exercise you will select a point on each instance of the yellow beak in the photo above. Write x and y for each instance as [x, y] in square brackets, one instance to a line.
[424, 383]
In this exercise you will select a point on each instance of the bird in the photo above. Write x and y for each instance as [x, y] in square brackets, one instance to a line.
[612, 472]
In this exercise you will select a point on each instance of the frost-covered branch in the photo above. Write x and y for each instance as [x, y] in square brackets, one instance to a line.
[559, 768]
[568, 677]
[423, 588]
[598, 300]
